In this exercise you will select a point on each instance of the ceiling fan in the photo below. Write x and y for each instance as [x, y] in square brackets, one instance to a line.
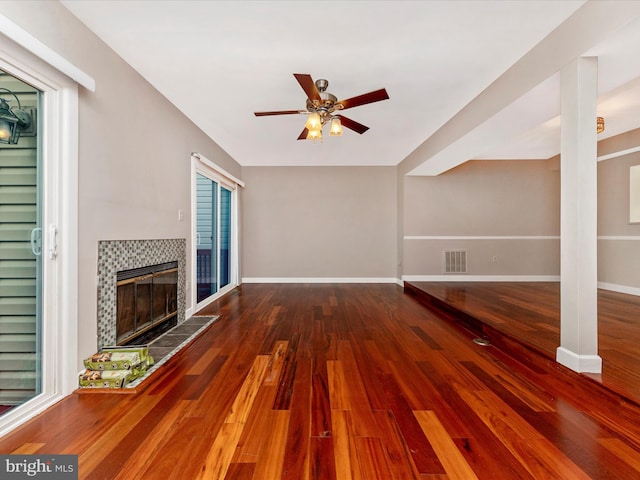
[322, 105]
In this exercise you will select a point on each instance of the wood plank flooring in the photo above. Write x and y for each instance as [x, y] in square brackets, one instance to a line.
[342, 382]
[529, 314]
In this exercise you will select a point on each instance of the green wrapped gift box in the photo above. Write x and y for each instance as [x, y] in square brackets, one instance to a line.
[120, 358]
[113, 361]
[108, 378]
[141, 350]
[115, 367]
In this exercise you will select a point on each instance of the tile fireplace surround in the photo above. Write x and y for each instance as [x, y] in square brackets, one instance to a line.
[116, 255]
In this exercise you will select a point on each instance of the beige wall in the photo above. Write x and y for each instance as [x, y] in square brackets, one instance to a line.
[479, 200]
[133, 175]
[303, 222]
[518, 199]
[319, 222]
[618, 258]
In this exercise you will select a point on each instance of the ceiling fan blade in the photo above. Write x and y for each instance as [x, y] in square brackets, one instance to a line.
[363, 99]
[280, 112]
[303, 135]
[352, 124]
[308, 85]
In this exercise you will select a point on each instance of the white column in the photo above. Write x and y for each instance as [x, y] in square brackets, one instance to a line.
[578, 213]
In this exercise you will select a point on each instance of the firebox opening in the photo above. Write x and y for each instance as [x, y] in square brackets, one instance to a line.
[147, 302]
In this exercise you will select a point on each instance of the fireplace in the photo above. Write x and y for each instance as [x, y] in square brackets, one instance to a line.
[147, 302]
[139, 258]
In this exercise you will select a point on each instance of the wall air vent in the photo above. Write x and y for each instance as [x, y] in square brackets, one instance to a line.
[455, 261]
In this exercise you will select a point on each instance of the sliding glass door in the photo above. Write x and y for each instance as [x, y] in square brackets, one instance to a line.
[213, 240]
[38, 230]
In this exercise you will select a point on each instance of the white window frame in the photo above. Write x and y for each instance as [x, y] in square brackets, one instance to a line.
[200, 164]
[26, 58]
[634, 194]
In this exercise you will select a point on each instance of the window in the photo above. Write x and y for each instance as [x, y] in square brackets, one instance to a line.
[634, 194]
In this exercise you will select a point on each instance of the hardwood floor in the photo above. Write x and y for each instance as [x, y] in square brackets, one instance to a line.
[342, 382]
[528, 313]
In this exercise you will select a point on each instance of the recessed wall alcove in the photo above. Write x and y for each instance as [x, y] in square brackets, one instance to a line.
[118, 255]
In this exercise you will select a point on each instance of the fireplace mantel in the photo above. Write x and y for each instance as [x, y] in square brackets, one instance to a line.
[117, 255]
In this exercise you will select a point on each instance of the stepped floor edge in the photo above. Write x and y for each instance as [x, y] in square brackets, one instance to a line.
[528, 314]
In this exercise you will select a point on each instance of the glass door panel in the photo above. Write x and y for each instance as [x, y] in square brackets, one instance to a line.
[225, 237]
[20, 256]
[206, 237]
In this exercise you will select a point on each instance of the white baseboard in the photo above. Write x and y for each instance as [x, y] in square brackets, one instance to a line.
[619, 288]
[320, 280]
[579, 363]
[481, 278]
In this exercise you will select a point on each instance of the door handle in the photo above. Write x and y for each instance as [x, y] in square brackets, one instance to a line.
[35, 238]
[53, 242]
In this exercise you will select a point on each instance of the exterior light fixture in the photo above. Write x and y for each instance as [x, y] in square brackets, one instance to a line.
[12, 121]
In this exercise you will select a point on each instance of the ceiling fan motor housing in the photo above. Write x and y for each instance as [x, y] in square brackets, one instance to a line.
[328, 101]
[322, 84]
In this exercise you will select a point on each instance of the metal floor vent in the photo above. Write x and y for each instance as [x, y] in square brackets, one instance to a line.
[455, 261]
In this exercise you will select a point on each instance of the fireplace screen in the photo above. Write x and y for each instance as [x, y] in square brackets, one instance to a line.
[147, 302]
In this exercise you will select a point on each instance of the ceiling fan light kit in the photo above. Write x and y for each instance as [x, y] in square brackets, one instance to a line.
[336, 127]
[322, 108]
[314, 135]
[313, 122]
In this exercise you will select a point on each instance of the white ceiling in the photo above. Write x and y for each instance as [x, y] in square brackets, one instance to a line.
[219, 61]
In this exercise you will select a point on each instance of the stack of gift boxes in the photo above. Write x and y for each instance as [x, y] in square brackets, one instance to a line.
[115, 367]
